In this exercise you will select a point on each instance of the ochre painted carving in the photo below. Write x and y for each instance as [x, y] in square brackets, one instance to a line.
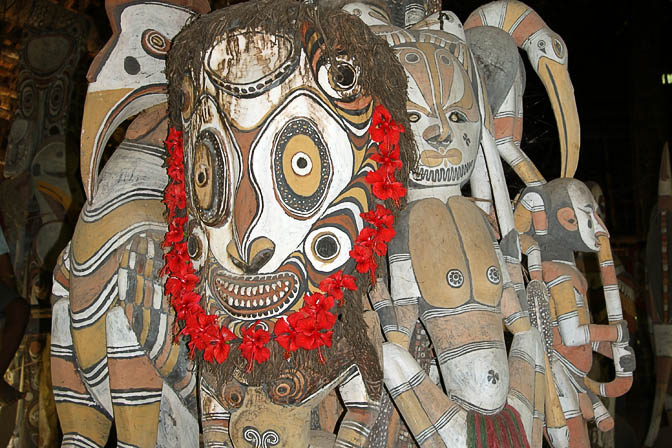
[556, 220]
[112, 351]
[446, 267]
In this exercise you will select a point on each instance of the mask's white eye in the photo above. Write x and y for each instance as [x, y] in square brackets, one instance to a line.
[301, 164]
[341, 80]
[413, 117]
[457, 117]
[327, 248]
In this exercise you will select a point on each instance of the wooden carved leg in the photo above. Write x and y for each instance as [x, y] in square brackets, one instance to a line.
[135, 386]
[527, 383]
[603, 420]
[361, 413]
[214, 420]
[84, 422]
[569, 400]
[434, 419]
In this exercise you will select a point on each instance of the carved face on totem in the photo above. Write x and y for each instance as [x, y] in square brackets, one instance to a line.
[442, 108]
[582, 216]
[276, 151]
[573, 215]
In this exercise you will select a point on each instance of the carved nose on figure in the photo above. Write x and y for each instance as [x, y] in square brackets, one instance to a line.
[260, 252]
[438, 134]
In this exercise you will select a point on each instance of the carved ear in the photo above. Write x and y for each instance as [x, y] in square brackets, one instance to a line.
[127, 76]
[530, 212]
[567, 218]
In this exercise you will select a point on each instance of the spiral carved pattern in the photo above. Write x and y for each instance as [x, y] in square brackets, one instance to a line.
[266, 439]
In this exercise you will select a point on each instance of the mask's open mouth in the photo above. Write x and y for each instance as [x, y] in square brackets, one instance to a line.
[252, 296]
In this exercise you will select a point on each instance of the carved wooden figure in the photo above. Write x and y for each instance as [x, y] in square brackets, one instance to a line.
[658, 261]
[274, 100]
[494, 34]
[113, 357]
[446, 266]
[264, 240]
[556, 220]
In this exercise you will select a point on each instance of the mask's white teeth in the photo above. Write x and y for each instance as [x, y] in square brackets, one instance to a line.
[235, 289]
[268, 301]
[254, 291]
[286, 283]
[236, 302]
[254, 303]
[230, 300]
[267, 288]
[275, 298]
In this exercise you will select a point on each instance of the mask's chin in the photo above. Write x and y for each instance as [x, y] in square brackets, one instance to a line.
[254, 296]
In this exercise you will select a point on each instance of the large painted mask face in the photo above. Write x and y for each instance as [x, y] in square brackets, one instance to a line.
[443, 110]
[276, 150]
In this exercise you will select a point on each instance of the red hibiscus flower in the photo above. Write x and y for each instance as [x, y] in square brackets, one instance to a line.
[385, 186]
[383, 128]
[317, 307]
[365, 261]
[253, 347]
[334, 284]
[309, 336]
[174, 138]
[285, 335]
[219, 347]
[186, 304]
[389, 160]
[175, 197]
[380, 217]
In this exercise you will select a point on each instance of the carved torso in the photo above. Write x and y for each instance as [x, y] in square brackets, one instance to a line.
[581, 356]
[459, 289]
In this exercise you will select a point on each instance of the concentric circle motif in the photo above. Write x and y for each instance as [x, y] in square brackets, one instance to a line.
[155, 44]
[455, 278]
[493, 275]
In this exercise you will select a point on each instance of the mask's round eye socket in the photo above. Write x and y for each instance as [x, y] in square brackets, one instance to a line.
[301, 164]
[328, 248]
[457, 117]
[302, 168]
[208, 179]
[344, 76]
[413, 117]
[340, 80]
[541, 44]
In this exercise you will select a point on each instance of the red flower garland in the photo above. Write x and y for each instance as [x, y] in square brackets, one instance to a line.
[309, 328]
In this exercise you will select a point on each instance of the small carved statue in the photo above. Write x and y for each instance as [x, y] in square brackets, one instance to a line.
[555, 220]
